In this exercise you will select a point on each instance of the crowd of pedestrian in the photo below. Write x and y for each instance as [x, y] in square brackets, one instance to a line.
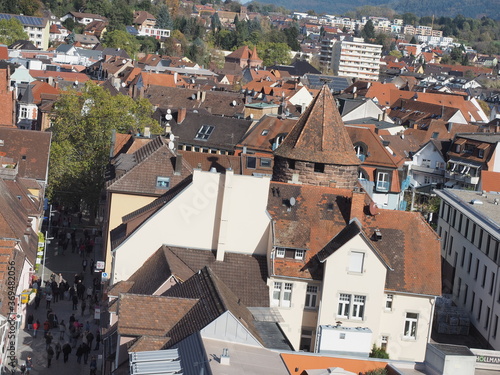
[75, 335]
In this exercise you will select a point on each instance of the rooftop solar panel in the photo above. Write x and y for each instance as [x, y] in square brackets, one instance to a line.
[25, 20]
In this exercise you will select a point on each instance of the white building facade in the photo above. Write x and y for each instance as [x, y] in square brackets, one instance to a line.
[469, 226]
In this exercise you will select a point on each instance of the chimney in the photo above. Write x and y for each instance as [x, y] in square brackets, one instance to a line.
[222, 242]
[181, 115]
[357, 205]
[224, 358]
[449, 126]
[203, 96]
[178, 165]
[175, 78]
[198, 95]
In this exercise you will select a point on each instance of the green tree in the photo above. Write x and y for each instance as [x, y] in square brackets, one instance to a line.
[163, 20]
[81, 140]
[215, 24]
[148, 44]
[11, 30]
[368, 31]
[121, 39]
[292, 35]
[274, 53]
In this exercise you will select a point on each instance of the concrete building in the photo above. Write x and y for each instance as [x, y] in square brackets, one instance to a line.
[351, 58]
[469, 226]
[37, 28]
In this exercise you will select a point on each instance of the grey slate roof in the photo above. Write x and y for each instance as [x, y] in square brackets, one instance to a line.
[226, 134]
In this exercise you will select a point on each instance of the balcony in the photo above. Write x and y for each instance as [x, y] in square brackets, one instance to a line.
[433, 171]
[468, 179]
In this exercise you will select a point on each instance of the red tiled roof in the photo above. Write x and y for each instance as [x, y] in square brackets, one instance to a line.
[319, 214]
[298, 363]
[4, 53]
[490, 181]
[66, 76]
[319, 136]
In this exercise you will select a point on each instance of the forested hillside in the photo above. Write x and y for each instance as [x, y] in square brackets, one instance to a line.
[447, 8]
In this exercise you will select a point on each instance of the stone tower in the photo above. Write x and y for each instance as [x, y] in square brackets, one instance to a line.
[318, 150]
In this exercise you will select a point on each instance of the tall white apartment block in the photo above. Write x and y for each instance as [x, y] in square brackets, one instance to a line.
[351, 58]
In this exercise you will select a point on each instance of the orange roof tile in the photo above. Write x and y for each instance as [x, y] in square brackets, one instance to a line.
[40, 88]
[490, 181]
[66, 76]
[158, 79]
[311, 362]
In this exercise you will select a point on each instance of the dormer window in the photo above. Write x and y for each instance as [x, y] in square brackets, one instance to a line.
[204, 132]
[361, 150]
[162, 182]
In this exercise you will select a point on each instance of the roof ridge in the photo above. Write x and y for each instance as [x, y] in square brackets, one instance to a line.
[140, 155]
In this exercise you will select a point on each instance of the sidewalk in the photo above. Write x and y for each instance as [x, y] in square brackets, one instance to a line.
[68, 265]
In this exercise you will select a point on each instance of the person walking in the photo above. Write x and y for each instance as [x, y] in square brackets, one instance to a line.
[23, 369]
[86, 351]
[38, 298]
[75, 302]
[62, 330]
[90, 339]
[36, 326]
[46, 327]
[66, 349]
[50, 355]
[48, 300]
[58, 350]
[29, 365]
[93, 365]
[83, 306]
[84, 264]
[97, 339]
[48, 340]
[79, 353]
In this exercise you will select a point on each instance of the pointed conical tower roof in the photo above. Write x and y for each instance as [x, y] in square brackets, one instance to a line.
[320, 135]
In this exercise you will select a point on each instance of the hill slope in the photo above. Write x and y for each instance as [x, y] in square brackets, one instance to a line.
[449, 8]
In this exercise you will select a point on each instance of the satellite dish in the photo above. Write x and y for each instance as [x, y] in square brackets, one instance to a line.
[292, 201]
[251, 116]
[233, 103]
[171, 145]
[193, 97]
[76, 83]
[169, 111]
[123, 84]
[373, 209]
[171, 137]
[168, 117]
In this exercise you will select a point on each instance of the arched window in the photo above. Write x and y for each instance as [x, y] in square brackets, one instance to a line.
[361, 150]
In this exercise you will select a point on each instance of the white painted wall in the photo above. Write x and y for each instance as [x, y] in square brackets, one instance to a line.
[193, 219]
[371, 283]
[428, 152]
[228, 328]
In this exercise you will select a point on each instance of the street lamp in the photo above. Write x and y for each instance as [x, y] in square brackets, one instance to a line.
[47, 238]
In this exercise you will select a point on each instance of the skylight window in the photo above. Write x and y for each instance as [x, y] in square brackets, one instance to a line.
[204, 132]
